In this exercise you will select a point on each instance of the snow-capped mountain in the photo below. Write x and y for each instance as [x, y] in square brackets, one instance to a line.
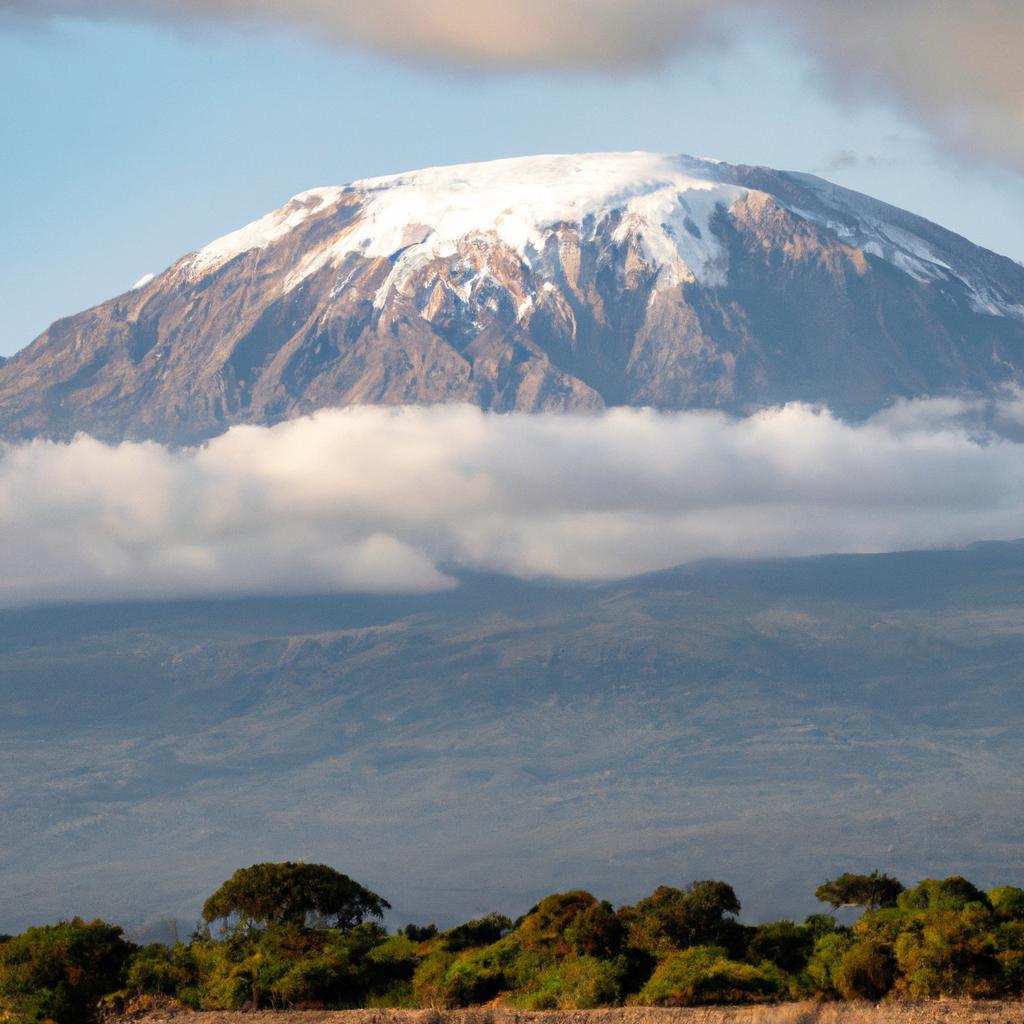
[542, 283]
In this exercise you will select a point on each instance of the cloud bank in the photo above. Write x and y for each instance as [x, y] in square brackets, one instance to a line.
[395, 500]
[956, 61]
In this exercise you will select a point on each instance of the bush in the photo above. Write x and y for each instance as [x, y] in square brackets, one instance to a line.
[865, 971]
[428, 980]
[783, 943]
[823, 965]
[704, 975]
[388, 972]
[153, 972]
[943, 938]
[473, 934]
[577, 983]
[948, 953]
[1008, 902]
[699, 915]
[59, 972]
[948, 894]
[565, 920]
[477, 976]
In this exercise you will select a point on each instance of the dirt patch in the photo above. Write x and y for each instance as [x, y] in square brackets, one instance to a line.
[938, 1012]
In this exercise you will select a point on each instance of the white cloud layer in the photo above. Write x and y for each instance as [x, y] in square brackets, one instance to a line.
[375, 499]
[957, 61]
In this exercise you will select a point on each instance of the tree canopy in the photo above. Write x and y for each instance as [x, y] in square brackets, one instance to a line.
[869, 891]
[676, 947]
[292, 893]
[700, 914]
[58, 972]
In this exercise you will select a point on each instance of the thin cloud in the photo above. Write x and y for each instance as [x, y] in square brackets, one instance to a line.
[956, 62]
[395, 500]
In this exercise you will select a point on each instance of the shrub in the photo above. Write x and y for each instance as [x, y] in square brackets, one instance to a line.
[428, 981]
[699, 915]
[865, 971]
[704, 975]
[950, 953]
[823, 965]
[783, 943]
[153, 972]
[59, 972]
[582, 983]
[564, 920]
[947, 894]
[1008, 902]
[473, 934]
[477, 976]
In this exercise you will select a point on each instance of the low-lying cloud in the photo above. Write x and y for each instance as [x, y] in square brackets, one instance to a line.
[396, 500]
[956, 61]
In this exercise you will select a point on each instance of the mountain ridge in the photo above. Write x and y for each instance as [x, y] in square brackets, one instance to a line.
[682, 724]
[557, 283]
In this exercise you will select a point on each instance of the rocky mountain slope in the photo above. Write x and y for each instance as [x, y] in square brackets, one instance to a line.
[546, 283]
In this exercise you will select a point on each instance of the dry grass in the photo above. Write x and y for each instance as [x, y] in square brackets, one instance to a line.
[938, 1012]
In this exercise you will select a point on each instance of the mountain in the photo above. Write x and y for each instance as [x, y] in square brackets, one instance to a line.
[546, 283]
[771, 723]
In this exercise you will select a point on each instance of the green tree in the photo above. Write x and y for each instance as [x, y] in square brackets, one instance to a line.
[571, 922]
[294, 894]
[59, 972]
[953, 893]
[1008, 902]
[699, 915]
[869, 891]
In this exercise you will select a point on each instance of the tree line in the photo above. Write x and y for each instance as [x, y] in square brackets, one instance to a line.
[297, 935]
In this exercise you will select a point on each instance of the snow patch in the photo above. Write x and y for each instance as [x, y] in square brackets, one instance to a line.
[663, 205]
[861, 224]
[263, 232]
[425, 214]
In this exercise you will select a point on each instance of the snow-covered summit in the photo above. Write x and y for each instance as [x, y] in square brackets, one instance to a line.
[666, 203]
[521, 200]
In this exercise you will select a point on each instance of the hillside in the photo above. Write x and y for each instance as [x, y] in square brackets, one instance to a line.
[472, 750]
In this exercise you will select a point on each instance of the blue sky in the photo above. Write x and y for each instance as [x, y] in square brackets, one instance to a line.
[127, 146]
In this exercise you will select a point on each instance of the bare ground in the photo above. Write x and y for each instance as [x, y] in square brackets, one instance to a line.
[937, 1012]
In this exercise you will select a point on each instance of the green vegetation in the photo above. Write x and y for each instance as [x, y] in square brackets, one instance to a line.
[292, 894]
[868, 891]
[303, 936]
[59, 972]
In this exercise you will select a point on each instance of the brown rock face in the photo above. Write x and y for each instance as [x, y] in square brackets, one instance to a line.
[805, 303]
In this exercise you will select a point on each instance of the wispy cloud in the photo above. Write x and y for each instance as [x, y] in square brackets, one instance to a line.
[956, 62]
[372, 499]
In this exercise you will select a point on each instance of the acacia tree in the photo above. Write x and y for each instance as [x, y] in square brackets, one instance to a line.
[851, 890]
[293, 894]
